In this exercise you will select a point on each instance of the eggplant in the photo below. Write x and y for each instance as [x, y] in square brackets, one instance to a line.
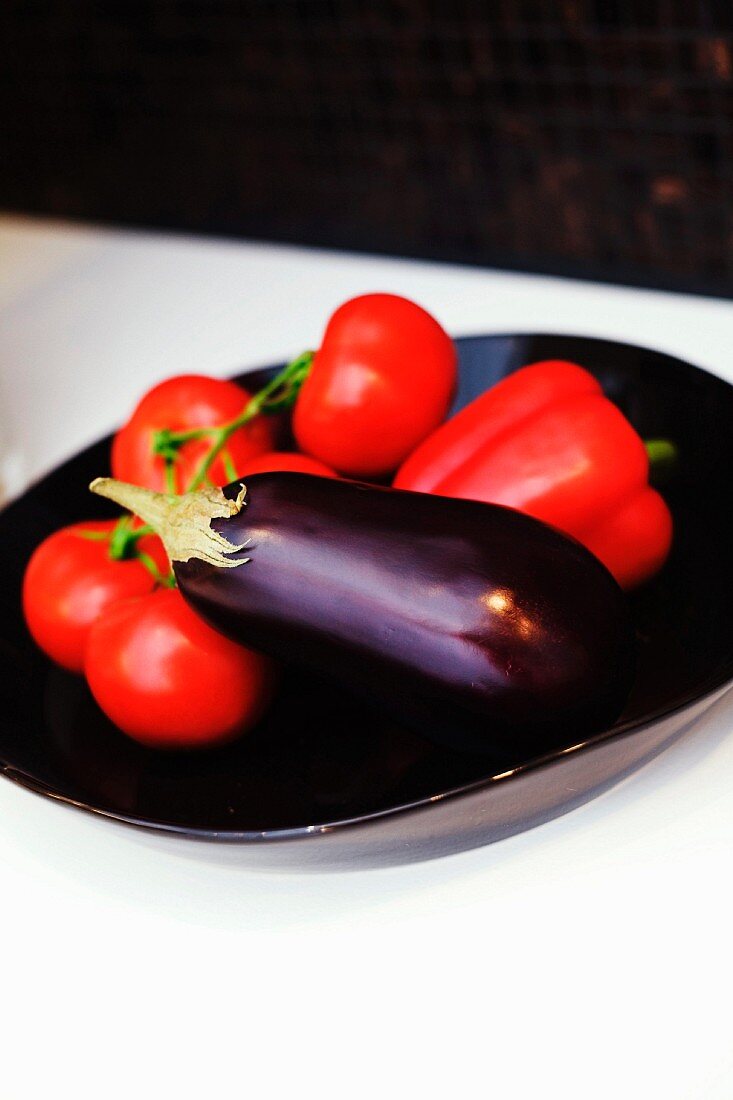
[474, 623]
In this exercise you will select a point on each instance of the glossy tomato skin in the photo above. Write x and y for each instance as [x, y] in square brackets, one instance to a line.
[71, 579]
[168, 680]
[179, 404]
[290, 461]
[382, 379]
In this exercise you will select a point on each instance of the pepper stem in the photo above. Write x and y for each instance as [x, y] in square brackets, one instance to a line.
[183, 523]
[660, 450]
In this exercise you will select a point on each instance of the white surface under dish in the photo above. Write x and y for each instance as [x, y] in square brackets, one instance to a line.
[590, 956]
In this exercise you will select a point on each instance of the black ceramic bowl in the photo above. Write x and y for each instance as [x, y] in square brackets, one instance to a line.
[325, 782]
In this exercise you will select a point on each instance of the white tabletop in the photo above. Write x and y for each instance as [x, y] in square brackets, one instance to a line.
[588, 958]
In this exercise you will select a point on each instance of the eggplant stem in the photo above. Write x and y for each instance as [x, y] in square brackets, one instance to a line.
[183, 523]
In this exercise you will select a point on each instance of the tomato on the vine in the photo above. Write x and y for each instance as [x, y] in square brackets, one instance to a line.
[381, 381]
[290, 461]
[181, 404]
[168, 680]
[71, 579]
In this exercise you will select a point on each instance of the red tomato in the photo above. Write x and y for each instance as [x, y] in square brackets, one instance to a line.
[70, 580]
[168, 680]
[286, 460]
[382, 380]
[180, 404]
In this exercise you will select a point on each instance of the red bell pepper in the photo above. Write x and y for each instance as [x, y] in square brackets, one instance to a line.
[545, 440]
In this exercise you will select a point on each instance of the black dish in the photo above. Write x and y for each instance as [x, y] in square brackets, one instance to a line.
[325, 782]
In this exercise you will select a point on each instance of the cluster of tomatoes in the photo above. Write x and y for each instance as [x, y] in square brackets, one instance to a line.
[99, 597]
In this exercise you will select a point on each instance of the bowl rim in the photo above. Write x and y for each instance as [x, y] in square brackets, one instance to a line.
[304, 832]
[719, 684]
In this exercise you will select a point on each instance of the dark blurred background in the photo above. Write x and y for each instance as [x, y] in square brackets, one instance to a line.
[584, 137]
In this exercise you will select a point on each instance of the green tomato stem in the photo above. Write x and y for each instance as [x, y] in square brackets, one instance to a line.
[279, 393]
[124, 546]
[170, 474]
[229, 467]
[164, 580]
[122, 539]
[266, 400]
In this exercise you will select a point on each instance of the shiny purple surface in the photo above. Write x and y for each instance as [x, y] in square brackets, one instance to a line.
[472, 622]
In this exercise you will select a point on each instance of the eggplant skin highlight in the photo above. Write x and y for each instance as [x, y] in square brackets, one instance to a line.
[476, 624]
